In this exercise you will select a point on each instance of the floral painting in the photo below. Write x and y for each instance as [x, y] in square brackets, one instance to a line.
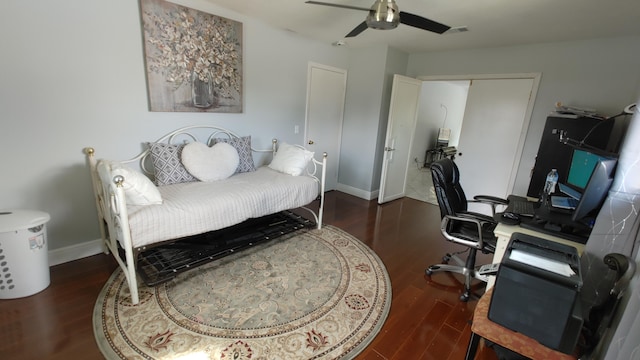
[193, 59]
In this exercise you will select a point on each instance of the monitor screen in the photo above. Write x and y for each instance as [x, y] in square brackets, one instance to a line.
[595, 191]
[582, 165]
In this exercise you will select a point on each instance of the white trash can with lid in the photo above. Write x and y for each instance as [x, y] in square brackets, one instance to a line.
[24, 258]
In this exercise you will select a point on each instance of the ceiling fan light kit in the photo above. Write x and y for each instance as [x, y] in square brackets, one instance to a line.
[385, 15]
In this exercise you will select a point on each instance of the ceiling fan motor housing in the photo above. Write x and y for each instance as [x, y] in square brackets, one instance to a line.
[384, 15]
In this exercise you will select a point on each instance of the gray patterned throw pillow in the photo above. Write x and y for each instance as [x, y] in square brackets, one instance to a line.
[243, 146]
[167, 165]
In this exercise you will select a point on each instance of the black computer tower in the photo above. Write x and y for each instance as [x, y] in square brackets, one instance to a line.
[530, 295]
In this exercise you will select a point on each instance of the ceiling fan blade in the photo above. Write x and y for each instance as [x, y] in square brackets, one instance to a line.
[358, 29]
[422, 23]
[337, 5]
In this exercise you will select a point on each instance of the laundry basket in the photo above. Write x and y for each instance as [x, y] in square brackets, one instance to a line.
[24, 262]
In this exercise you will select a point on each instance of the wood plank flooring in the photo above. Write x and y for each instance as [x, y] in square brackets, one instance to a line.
[427, 321]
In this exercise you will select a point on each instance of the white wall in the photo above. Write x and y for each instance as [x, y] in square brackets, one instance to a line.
[600, 73]
[361, 120]
[72, 75]
[369, 85]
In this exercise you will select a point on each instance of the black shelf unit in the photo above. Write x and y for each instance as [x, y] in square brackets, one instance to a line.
[553, 154]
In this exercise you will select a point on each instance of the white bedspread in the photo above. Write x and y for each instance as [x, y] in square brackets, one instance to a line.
[198, 207]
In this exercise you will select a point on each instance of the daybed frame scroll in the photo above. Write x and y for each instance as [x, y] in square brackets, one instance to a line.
[112, 208]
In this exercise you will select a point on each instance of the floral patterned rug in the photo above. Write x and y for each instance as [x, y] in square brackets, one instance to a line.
[317, 294]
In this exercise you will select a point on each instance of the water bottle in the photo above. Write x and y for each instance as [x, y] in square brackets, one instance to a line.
[551, 182]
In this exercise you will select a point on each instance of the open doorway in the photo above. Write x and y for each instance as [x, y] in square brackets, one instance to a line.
[497, 112]
[442, 106]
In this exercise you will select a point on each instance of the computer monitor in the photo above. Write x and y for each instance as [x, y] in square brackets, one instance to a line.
[581, 168]
[595, 191]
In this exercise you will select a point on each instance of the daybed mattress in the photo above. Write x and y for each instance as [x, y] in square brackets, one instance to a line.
[198, 207]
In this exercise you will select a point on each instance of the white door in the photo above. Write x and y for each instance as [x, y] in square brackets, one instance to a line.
[492, 136]
[403, 110]
[326, 90]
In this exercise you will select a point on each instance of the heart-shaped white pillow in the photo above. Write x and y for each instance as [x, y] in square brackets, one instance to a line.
[210, 163]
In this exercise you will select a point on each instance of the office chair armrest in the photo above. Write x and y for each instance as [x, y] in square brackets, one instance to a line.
[600, 315]
[468, 218]
[490, 200]
[481, 217]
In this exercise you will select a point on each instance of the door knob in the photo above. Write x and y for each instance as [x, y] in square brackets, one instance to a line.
[310, 142]
[386, 148]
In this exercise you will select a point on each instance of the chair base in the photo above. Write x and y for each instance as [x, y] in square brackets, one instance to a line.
[467, 269]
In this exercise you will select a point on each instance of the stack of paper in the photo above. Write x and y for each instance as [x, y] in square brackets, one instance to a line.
[575, 112]
[542, 263]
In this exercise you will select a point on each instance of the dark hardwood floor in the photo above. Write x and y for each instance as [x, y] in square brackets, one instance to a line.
[427, 321]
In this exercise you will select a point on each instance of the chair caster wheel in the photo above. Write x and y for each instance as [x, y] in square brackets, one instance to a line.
[446, 258]
[464, 297]
[429, 270]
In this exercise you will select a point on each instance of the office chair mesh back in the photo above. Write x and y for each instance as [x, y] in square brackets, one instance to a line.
[446, 183]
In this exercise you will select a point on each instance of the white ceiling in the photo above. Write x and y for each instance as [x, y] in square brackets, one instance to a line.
[491, 23]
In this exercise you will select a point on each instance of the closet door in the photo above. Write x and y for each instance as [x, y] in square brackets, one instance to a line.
[492, 136]
[326, 91]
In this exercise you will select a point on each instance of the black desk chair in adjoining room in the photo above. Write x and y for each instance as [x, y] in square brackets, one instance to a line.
[461, 226]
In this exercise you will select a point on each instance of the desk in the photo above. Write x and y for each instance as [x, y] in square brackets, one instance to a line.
[482, 327]
[503, 233]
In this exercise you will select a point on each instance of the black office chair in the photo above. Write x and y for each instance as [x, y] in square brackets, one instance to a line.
[461, 226]
[600, 296]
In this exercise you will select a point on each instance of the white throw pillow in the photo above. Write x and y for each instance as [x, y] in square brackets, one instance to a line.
[210, 163]
[291, 159]
[138, 189]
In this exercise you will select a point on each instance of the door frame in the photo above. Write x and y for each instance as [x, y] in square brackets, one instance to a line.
[527, 118]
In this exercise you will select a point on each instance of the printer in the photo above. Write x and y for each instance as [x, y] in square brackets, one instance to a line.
[537, 290]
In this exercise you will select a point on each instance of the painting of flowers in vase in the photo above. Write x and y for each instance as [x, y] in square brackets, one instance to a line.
[193, 59]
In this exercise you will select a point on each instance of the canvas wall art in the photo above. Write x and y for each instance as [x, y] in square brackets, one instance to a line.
[193, 59]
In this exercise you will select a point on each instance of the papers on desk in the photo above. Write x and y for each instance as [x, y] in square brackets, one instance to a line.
[542, 262]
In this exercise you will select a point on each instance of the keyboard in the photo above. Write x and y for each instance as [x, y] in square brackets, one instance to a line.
[521, 207]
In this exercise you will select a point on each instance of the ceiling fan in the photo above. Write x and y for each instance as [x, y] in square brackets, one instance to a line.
[384, 15]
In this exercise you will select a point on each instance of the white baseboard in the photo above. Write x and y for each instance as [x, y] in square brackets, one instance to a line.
[367, 195]
[75, 252]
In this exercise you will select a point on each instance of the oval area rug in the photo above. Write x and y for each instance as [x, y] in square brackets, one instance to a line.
[318, 294]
